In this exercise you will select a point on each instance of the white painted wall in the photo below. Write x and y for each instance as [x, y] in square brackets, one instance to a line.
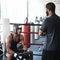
[5, 31]
[0, 9]
[16, 10]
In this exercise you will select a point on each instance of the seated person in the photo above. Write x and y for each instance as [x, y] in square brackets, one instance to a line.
[12, 45]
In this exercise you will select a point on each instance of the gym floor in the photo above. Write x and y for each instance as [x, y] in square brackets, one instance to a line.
[37, 50]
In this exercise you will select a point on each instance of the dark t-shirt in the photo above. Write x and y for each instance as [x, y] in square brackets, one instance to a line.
[52, 28]
[16, 46]
[13, 45]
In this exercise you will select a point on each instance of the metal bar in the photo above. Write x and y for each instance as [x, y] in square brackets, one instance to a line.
[27, 24]
[27, 11]
[31, 32]
[37, 54]
[34, 44]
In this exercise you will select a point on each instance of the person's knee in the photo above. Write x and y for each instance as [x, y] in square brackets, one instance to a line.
[9, 56]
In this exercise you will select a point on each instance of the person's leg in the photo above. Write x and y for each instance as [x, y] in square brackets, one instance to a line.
[9, 56]
[57, 55]
[48, 55]
[44, 55]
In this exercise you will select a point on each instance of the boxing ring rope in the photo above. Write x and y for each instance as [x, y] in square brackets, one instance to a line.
[35, 44]
[31, 32]
[26, 24]
[32, 43]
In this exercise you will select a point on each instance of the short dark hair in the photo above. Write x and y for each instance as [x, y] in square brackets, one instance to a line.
[18, 29]
[51, 6]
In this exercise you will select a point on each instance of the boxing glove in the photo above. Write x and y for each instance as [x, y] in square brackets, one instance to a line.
[26, 55]
[17, 56]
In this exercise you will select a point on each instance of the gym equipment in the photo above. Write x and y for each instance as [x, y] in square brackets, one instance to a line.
[36, 27]
[21, 54]
[16, 55]
[28, 55]
[27, 35]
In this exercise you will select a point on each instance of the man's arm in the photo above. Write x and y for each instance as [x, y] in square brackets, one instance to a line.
[22, 41]
[8, 45]
[43, 29]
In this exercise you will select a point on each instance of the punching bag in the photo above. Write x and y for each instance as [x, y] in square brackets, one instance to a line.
[27, 35]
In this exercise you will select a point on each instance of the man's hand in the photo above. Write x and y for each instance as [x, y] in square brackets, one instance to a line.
[25, 48]
[41, 33]
[26, 55]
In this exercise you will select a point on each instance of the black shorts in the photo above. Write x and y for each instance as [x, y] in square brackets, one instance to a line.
[50, 55]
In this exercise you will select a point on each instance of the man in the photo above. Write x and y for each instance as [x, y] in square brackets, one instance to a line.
[28, 55]
[51, 27]
[11, 44]
[21, 43]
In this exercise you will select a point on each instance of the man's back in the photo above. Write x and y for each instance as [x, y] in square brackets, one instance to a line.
[53, 32]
